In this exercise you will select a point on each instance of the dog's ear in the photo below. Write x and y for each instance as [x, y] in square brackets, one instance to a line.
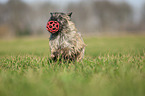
[69, 14]
[51, 13]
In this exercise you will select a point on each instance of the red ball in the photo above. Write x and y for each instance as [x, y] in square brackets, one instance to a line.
[52, 26]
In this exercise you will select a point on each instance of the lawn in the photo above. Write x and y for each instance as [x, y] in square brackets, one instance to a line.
[112, 66]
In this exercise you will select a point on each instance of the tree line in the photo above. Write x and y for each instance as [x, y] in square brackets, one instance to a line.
[18, 18]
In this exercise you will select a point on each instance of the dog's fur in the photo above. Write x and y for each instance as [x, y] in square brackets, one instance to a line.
[67, 43]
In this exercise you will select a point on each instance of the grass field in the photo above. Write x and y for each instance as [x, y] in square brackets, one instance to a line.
[113, 66]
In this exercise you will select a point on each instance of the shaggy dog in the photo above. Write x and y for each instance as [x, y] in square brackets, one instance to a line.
[65, 42]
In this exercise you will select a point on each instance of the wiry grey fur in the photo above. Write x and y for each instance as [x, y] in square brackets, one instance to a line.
[67, 43]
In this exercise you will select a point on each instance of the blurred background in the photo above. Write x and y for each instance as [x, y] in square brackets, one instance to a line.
[100, 17]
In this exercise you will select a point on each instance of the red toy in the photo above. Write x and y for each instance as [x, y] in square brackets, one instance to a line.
[52, 26]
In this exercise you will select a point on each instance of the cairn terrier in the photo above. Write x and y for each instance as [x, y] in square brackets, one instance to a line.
[65, 42]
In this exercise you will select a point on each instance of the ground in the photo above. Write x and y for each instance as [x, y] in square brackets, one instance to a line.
[112, 66]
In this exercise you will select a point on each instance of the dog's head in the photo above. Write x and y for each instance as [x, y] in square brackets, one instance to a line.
[61, 18]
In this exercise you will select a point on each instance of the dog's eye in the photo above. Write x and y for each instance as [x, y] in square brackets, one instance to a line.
[60, 17]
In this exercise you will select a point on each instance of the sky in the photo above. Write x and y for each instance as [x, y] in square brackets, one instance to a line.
[135, 3]
[137, 6]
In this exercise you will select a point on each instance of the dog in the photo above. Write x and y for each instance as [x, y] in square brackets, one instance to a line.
[65, 42]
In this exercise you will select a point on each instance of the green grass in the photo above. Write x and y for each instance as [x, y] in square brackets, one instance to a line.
[113, 66]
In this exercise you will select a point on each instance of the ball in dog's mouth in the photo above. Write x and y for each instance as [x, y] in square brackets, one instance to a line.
[52, 26]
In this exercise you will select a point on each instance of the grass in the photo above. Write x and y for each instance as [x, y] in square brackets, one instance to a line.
[113, 66]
